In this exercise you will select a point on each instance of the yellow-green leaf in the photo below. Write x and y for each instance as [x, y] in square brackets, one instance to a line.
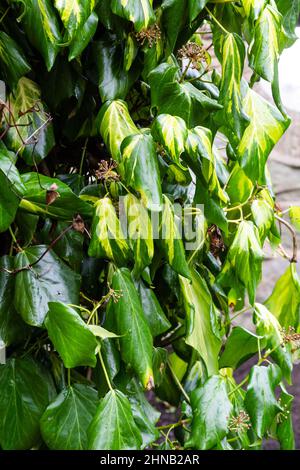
[74, 13]
[139, 12]
[171, 132]
[294, 213]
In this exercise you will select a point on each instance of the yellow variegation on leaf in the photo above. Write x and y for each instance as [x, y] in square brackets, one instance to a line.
[171, 132]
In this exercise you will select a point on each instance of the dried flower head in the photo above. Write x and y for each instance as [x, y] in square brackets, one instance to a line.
[78, 224]
[151, 35]
[194, 53]
[106, 171]
[240, 423]
[289, 336]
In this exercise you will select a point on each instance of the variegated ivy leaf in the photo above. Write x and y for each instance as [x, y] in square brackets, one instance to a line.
[171, 132]
[42, 28]
[12, 60]
[199, 148]
[140, 12]
[170, 239]
[108, 240]
[74, 13]
[83, 36]
[266, 127]
[284, 302]
[115, 123]
[244, 260]
[233, 58]
[290, 12]
[253, 8]
[294, 213]
[33, 139]
[139, 233]
[264, 50]
[139, 168]
[263, 216]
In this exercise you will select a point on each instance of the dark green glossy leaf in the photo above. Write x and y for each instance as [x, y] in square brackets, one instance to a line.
[174, 12]
[195, 7]
[240, 346]
[49, 280]
[155, 316]
[83, 36]
[113, 426]
[26, 390]
[66, 420]
[74, 13]
[211, 409]
[138, 11]
[9, 202]
[13, 61]
[7, 165]
[71, 337]
[126, 318]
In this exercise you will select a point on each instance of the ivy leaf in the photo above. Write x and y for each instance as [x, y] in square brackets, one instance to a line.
[9, 203]
[33, 139]
[65, 422]
[239, 187]
[12, 328]
[83, 36]
[171, 132]
[294, 213]
[101, 332]
[139, 12]
[240, 346]
[244, 259]
[127, 319]
[269, 327]
[260, 400]
[155, 316]
[184, 100]
[174, 12]
[72, 338]
[26, 390]
[65, 206]
[8, 167]
[202, 333]
[13, 61]
[263, 216]
[113, 426]
[74, 13]
[284, 302]
[170, 240]
[42, 28]
[284, 430]
[195, 7]
[264, 50]
[139, 232]
[253, 8]
[290, 12]
[140, 170]
[233, 58]
[267, 125]
[108, 240]
[211, 409]
[115, 123]
[48, 280]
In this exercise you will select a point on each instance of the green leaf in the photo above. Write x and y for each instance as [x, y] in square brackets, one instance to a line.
[139, 12]
[184, 100]
[264, 50]
[211, 409]
[240, 346]
[74, 13]
[253, 8]
[127, 319]
[9, 202]
[72, 338]
[113, 426]
[100, 332]
[195, 7]
[33, 138]
[108, 240]
[199, 148]
[48, 280]
[83, 36]
[26, 390]
[139, 232]
[294, 213]
[42, 28]
[284, 431]
[12, 60]
[65, 422]
[171, 132]
[263, 216]
[267, 125]
[174, 12]
[239, 187]
[260, 400]
[115, 123]
[65, 206]
[170, 240]
[12, 328]
[284, 302]
[290, 12]
[7, 165]
[201, 334]
[233, 58]
[155, 316]
[140, 171]
[269, 327]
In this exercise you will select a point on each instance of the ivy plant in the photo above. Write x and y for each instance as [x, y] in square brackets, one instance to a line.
[135, 208]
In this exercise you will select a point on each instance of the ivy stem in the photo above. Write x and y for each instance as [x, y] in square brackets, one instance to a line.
[83, 155]
[174, 425]
[237, 315]
[14, 238]
[105, 372]
[293, 259]
[185, 71]
[179, 384]
[216, 21]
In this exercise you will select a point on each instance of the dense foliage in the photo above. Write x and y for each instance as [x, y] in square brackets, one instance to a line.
[107, 98]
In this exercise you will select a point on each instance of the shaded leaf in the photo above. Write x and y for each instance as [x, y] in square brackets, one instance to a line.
[83, 36]
[240, 346]
[12, 59]
[155, 316]
[9, 202]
